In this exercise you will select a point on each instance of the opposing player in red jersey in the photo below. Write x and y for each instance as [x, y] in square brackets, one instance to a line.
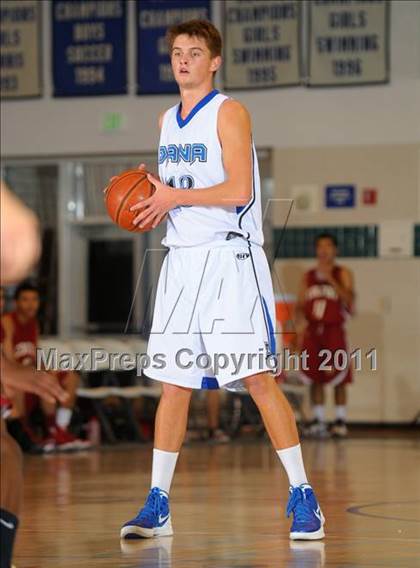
[326, 301]
[21, 332]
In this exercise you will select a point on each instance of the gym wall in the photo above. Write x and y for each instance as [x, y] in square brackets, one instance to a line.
[367, 136]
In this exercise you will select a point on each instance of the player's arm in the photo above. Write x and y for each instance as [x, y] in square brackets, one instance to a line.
[234, 129]
[17, 378]
[344, 287]
[7, 344]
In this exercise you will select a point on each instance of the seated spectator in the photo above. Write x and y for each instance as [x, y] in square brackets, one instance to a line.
[20, 339]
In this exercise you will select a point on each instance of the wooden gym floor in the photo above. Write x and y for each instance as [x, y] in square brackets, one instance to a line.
[227, 507]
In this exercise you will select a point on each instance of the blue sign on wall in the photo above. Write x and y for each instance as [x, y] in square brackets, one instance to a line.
[340, 196]
[154, 73]
[89, 47]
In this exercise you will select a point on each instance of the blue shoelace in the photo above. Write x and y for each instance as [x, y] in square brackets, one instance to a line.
[151, 509]
[297, 504]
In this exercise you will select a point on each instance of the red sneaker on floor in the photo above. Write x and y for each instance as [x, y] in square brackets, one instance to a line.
[65, 441]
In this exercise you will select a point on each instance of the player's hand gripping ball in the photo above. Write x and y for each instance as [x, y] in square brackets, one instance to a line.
[124, 191]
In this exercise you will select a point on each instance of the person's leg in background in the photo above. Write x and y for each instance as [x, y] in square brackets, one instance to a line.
[58, 420]
[318, 427]
[17, 422]
[70, 382]
[11, 493]
[339, 427]
[337, 342]
[170, 428]
[216, 434]
[280, 423]
[312, 375]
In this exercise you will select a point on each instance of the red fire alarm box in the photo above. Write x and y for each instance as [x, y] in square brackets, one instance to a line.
[370, 196]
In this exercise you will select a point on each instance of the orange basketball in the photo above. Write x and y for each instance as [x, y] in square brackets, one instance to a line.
[124, 192]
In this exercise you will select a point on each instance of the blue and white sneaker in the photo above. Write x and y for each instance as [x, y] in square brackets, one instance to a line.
[308, 520]
[153, 520]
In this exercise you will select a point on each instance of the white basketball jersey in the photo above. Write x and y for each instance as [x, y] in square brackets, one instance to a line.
[190, 157]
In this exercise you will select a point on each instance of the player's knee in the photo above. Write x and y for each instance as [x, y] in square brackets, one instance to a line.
[175, 392]
[259, 386]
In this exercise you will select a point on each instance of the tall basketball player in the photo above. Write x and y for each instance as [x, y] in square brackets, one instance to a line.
[215, 293]
[326, 301]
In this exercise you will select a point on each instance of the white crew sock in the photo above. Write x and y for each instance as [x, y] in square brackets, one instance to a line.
[340, 412]
[63, 417]
[163, 468]
[292, 461]
[319, 412]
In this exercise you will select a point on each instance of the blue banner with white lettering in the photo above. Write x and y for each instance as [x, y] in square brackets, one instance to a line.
[89, 47]
[154, 73]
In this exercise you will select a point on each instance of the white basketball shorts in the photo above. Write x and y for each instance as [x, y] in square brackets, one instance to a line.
[214, 317]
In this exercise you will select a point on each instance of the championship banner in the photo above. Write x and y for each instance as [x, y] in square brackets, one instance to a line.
[89, 47]
[20, 38]
[262, 47]
[348, 42]
[154, 73]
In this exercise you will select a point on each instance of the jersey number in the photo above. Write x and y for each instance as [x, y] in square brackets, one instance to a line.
[185, 182]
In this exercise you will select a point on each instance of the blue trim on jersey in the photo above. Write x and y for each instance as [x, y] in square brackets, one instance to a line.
[209, 383]
[272, 341]
[184, 121]
[243, 210]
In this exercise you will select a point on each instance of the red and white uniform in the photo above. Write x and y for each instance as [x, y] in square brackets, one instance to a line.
[25, 340]
[326, 315]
